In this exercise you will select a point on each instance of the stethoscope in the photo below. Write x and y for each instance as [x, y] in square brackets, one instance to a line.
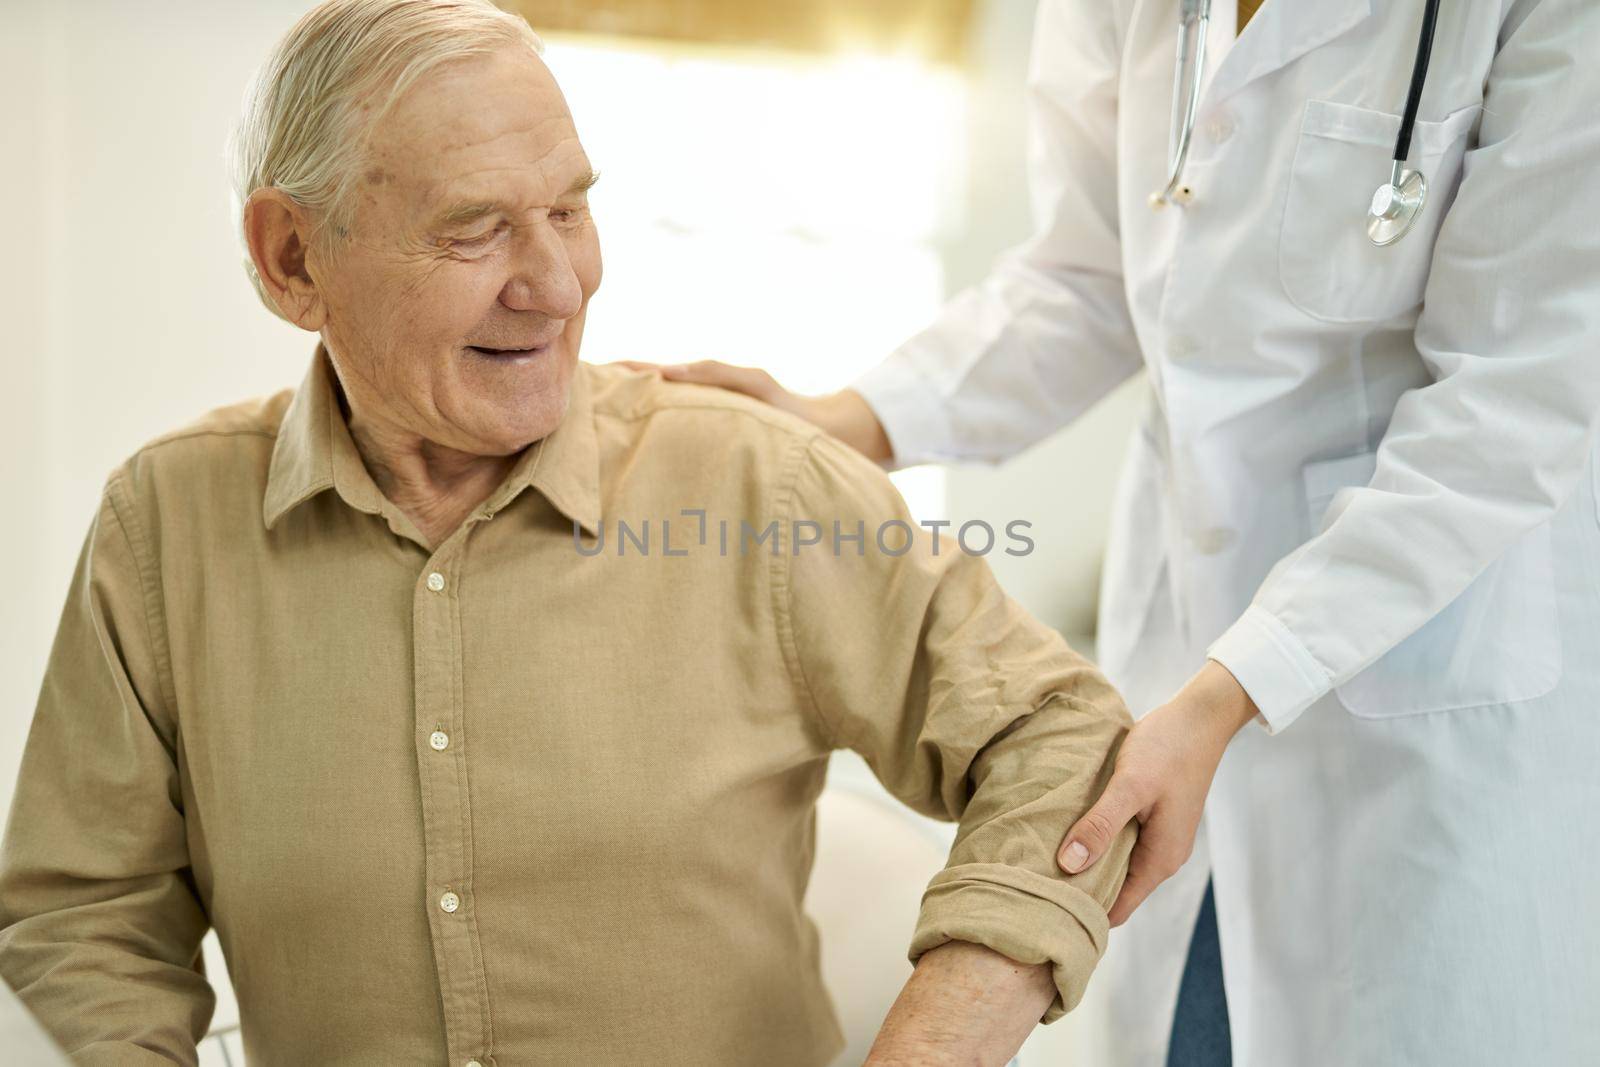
[1396, 203]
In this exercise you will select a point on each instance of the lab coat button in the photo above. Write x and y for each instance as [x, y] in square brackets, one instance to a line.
[1214, 539]
[1220, 129]
[1181, 345]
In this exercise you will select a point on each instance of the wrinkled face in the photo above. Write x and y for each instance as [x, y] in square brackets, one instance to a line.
[455, 306]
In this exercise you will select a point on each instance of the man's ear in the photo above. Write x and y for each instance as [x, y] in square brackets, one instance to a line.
[278, 231]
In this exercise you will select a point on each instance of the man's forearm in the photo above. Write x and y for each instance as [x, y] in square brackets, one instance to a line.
[964, 1004]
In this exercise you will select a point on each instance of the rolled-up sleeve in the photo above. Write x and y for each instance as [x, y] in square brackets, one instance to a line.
[100, 924]
[965, 707]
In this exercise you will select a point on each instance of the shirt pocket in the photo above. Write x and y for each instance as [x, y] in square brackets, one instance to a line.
[1495, 643]
[1329, 267]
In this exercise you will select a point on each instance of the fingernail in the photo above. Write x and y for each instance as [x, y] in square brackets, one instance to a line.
[1073, 857]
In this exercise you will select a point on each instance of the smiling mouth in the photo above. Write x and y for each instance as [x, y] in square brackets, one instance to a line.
[506, 353]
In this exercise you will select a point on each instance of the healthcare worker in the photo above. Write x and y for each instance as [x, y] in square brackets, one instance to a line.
[1363, 496]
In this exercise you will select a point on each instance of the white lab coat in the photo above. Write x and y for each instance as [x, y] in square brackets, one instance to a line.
[1366, 484]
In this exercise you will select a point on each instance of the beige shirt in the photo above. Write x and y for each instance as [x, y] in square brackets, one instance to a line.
[520, 799]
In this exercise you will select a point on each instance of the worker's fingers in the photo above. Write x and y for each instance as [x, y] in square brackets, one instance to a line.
[751, 381]
[1144, 874]
[1165, 842]
[1091, 835]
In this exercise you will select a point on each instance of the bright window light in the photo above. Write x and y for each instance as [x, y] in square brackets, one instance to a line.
[768, 209]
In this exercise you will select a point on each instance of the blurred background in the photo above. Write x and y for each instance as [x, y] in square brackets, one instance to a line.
[795, 184]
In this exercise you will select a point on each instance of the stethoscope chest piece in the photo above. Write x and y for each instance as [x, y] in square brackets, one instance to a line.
[1395, 206]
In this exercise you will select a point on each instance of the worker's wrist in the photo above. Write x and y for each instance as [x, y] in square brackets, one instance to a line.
[1226, 704]
[847, 416]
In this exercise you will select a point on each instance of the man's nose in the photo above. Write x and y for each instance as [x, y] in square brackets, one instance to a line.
[544, 280]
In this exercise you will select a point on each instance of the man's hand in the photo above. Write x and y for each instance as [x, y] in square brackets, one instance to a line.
[1164, 770]
[844, 414]
[964, 1004]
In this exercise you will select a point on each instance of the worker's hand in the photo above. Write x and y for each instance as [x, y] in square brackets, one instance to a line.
[844, 414]
[1164, 770]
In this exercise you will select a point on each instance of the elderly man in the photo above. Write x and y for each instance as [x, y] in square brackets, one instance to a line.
[353, 674]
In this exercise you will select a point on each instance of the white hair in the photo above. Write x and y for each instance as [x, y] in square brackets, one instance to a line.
[313, 105]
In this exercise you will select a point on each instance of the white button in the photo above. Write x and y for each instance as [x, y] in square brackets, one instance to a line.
[1220, 128]
[449, 902]
[474, 1063]
[1213, 539]
[439, 740]
[1180, 345]
[436, 581]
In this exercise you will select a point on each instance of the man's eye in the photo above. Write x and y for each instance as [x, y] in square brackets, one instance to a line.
[563, 214]
[478, 241]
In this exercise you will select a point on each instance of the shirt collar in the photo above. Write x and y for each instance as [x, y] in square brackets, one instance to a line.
[314, 451]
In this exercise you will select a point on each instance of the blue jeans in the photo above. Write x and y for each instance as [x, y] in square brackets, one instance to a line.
[1200, 1035]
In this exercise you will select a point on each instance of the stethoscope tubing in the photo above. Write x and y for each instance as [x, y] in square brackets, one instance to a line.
[1413, 98]
[1419, 78]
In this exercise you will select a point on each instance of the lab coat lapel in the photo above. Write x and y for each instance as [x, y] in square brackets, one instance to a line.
[1281, 32]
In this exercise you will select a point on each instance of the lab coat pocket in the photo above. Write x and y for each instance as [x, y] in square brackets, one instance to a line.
[1495, 643]
[1328, 265]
